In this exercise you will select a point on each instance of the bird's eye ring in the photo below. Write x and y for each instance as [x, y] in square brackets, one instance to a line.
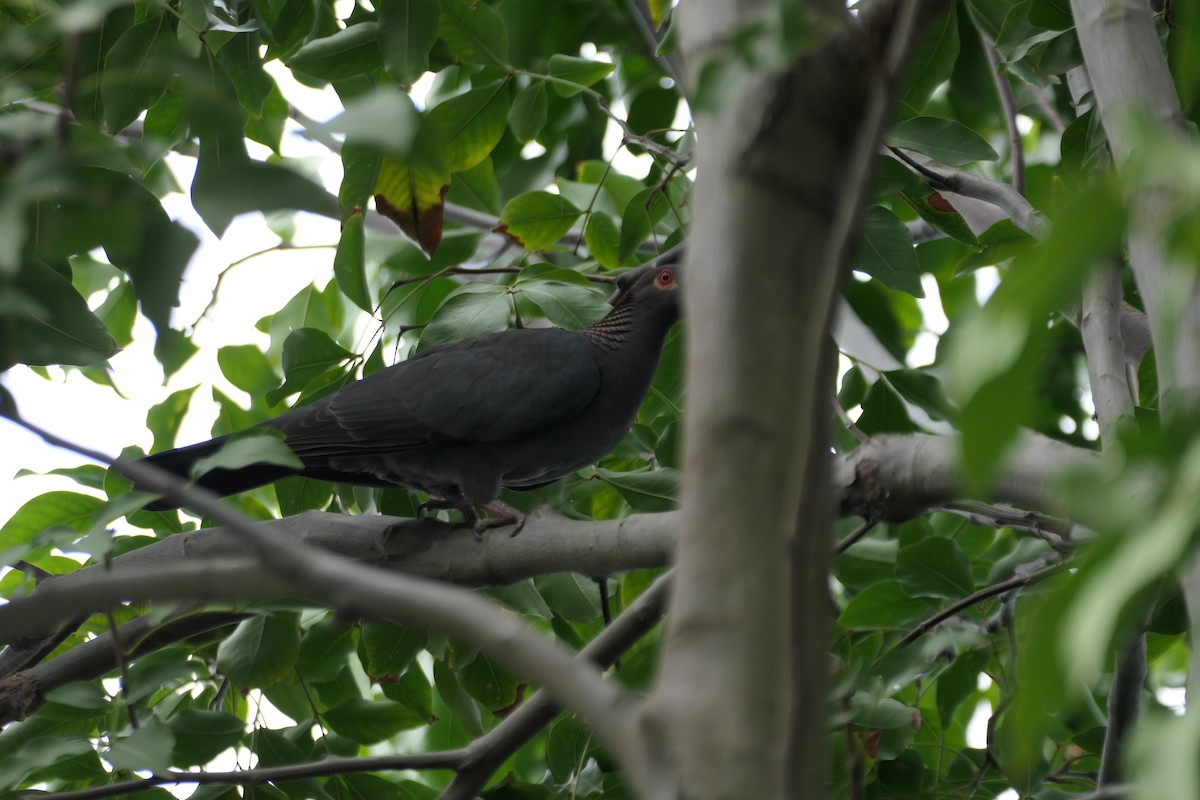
[665, 278]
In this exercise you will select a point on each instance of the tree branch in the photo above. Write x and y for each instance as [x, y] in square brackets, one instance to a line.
[475, 763]
[293, 569]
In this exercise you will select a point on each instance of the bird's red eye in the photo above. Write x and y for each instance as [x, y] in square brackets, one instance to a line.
[665, 278]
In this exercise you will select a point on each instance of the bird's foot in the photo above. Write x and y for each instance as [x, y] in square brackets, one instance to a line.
[505, 515]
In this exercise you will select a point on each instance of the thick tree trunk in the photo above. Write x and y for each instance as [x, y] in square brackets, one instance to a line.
[784, 165]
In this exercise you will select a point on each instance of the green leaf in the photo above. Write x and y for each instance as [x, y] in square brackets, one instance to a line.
[603, 240]
[884, 606]
[579, 71]
[946, 140]
[568, 748]
[164, 418]
[495, 688]
[408, 30]
[307, 354]
[147, 748]
[886, 252]
[324, 650]
[470, 125]
[466, 711]
[935, 567]
[136, 71]
[922, 390]
[349, 263]
[933, 63]
[390, 649]
[349, 52]
[38, 754]
[370, 721]
[247, 368]
[262, 446]
[49, 323]
[529, 112]
[200, 736]
[411, 690]
[567, 305]
[646, 492]
[537, 220]
[938, 212]
[958, 682]
[471, 310]
[47, 510]
[572, 597]
[641, 214]
[474, 32]
[262, 650]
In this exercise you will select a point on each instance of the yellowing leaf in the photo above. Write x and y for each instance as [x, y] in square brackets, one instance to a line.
[413, 197]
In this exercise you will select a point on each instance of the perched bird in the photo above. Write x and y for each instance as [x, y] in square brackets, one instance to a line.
[459, 421]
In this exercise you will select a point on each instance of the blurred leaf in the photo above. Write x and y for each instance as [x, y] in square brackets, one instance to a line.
[247, 368]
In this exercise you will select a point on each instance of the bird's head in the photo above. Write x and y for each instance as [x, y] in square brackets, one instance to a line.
[655, 289]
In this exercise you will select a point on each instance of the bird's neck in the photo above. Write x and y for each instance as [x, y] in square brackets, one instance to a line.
[615, 329]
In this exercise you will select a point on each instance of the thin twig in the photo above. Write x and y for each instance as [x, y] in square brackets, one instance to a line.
[855, 536]
[1016, 148]
[994, 590]
[122, 664]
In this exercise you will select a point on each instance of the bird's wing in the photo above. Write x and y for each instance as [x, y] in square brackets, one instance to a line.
[493, 388]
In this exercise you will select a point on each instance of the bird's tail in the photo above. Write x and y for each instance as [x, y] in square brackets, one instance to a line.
[222, 481]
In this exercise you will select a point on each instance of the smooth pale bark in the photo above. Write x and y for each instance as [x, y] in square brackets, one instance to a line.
[783, 162]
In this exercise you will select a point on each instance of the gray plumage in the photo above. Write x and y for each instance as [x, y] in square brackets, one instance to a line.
[461, 420]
